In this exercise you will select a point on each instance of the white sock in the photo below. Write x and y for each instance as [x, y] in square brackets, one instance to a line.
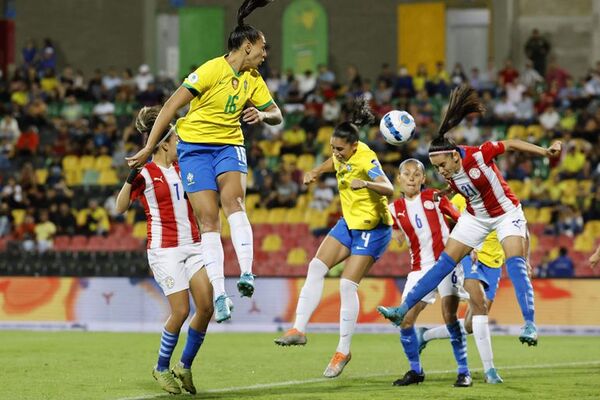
[348, 313]
[441, 332]
[212, 252]
[483, 340]
[311, 292]
[241, 236]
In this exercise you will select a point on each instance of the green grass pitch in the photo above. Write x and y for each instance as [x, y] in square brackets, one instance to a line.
[111, 366]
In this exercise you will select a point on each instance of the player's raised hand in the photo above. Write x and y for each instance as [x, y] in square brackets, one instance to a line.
[310, 177]
[252, 116]
[555, 149]
[138, 160]
[358, 184]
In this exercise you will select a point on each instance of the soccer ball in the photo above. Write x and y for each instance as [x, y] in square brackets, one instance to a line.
[397, 127]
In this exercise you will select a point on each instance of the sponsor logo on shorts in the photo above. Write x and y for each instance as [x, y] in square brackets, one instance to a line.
[428, 205]
[474, 173]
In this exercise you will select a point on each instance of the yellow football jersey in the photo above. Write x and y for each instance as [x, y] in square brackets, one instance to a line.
[363, 209]
[491, 253]
[221, 94]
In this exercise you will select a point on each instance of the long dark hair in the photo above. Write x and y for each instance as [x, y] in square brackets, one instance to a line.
[243, 31]
[361, 115]
[463, 101]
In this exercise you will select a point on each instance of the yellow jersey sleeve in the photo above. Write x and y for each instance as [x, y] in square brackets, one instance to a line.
[491, 252]
[363, 209]
[261, 96]
[202, 79]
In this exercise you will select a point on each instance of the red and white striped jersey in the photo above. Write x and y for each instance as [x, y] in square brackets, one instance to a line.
[481, 183]
[169, 215]
[422, 221]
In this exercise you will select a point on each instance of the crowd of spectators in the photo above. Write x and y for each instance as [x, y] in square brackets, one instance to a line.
[49, 110]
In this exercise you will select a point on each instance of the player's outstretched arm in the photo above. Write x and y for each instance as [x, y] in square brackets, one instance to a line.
[180, 98]
[271, 115]
[526, 147]
[123, 199]
[595, 258]
[381, 185]
[314, 173]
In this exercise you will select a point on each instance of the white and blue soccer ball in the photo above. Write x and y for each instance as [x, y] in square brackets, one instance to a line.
[397, 127]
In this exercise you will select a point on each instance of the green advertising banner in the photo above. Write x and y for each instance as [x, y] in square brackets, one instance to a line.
[201, 36]
[305, 36]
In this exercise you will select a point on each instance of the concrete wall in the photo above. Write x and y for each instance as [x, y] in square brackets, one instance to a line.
[100, 33]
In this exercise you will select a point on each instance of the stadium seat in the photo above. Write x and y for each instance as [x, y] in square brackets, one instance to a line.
[62, 243]
[516, 132]
[260, 216]
[86, 162]
[251, 201]
[18, 215]
[271, 243]
[592, 228]
[294, 215]
[544, 215]
[297, 256]
[536, 131]
[584, 243]
[108, 177]
[78, 243]
[70, 163]
[289, 158]
[324, 135]
[90, 177]
[277, 215]
[139, 230]
[306, 162]
[531, 214]
[103, 162]
[73, 177]
[41, 174]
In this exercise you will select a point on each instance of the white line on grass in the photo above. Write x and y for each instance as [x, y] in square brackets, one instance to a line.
[318, 380]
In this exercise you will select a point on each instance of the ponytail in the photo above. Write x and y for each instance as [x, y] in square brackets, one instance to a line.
[361, 116]
[463, 101]
[243, 31]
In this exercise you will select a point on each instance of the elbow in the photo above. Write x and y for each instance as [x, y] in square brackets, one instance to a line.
[389, 191]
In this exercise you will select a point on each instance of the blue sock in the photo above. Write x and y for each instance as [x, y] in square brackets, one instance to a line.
[517, 271]
[458, 339]
[192, 345]
[408, 338]
[444, 265]
[168, 341]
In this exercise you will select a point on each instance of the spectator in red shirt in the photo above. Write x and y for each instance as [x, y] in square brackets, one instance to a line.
[557, 74]
[508, 74]
[28, 142]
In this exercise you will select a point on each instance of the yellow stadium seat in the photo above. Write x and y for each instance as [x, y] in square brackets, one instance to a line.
[108, 177]
[533, 242]
[592, 228]
[271, 243]
[103, 162]
[294, 216]
[270, 148]
[516, 132]
[544, 215]
[584, 243]
[535, 130]
[277, 216]
[18, 216]
[289, 158]
[324, 135]
[130, 216]
[251, 201]
[70, 163]
[81, 217]
[74, 177]
[87, 162]
[531, 214]
[302, 202]
[260, 216]
[41, 174]
[516, 187]
[297, 256]
[306, 162]
[316, 218]
[139, 230]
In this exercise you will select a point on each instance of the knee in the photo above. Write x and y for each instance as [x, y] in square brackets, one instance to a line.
[232, 204]
[479, 308]
[180, 313]
[205, 309]
[209, 223]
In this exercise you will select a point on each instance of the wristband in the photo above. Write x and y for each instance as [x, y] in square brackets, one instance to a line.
[132, 174]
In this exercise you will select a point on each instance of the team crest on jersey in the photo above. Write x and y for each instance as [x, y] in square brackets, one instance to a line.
[428, 204]
[190, 178]
[474, 173]
[348, 167]
[235, 83]
[193, 77]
